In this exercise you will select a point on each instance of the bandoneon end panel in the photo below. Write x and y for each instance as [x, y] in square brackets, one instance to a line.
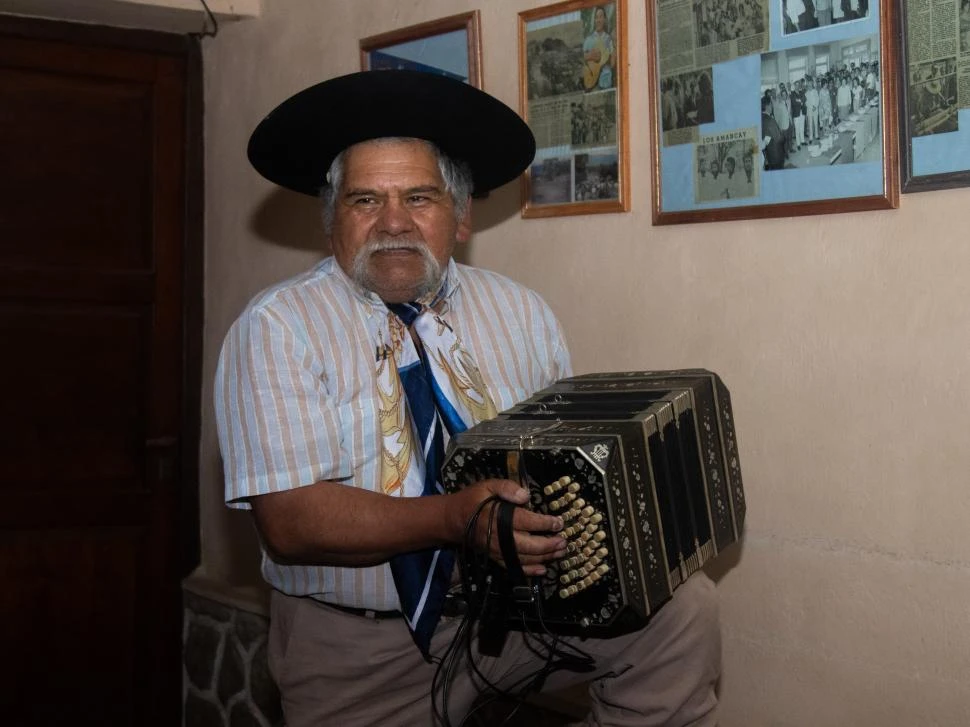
[642, 466]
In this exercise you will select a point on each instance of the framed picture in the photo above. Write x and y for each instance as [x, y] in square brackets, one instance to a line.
[934, 122]
[771, 108]
[572, 93]
[450, 46]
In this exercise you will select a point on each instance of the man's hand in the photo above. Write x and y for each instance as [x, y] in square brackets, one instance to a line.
[536, 539]
[333, 524]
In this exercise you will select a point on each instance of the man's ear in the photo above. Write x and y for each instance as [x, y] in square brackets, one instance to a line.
[464, 231]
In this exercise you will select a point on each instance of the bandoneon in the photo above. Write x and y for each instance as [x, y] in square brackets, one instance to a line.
[643, 468]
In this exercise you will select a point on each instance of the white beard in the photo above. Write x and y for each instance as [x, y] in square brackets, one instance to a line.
[429, 281]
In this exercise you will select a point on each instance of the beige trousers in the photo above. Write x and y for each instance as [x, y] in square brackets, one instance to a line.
[335, 668]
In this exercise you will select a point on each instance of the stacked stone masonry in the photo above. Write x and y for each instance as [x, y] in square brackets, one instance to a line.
[226, 680]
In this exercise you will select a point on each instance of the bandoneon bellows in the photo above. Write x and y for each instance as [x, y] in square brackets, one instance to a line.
[643, 467]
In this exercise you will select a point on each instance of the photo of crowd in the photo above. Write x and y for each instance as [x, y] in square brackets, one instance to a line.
[686, 99]
[933, 97]
[597, 177]
[802, 119]
[719, 21]
[801, 15]
[593, 120]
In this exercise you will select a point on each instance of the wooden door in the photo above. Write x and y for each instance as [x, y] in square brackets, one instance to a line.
[92, 226]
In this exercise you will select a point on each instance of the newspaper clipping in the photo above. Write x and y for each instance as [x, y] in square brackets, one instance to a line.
[593, 119]
[725, 167]
[555, 54]
[573, 106]
[691, 36]
[801, 15]
[938, 40]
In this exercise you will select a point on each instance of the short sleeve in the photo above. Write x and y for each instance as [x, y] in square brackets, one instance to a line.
[278, 426]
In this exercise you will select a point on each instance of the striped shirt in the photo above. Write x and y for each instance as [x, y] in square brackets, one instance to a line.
[297, 402]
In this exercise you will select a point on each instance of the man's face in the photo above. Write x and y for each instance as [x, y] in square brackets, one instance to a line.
[715, 167]
[394, 225]
[748, 164]
[730, 165]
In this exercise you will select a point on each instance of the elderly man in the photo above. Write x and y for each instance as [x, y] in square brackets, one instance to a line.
[326, 437]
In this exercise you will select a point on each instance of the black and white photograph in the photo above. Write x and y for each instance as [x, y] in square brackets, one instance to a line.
[597, 177]
[726, 166]
[599, 47]
[820, 105]
[687, 99]
[554, 55]
[720, 21]
[933, 97]
[551, 181]
[800, 15]
[593, 120]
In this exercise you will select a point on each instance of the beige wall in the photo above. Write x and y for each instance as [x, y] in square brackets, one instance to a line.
[843, 339]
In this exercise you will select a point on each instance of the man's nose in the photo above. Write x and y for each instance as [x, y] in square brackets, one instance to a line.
[395, 217]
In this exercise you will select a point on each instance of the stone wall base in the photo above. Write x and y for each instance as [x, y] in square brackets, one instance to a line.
[226, 680]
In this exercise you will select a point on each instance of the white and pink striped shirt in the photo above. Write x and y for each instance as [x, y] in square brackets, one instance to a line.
[296, 393]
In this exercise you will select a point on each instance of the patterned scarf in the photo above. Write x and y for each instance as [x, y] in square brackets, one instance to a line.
[426, 397]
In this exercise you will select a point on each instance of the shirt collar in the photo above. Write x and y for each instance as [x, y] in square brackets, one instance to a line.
[449, 287]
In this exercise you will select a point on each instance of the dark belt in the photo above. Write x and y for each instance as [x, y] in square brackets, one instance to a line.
[365, 612]
[454, 605]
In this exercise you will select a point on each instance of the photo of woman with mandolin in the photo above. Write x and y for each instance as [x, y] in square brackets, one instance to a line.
[598, 50]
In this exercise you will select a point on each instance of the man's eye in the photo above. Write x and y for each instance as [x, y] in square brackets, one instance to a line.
[365, 201]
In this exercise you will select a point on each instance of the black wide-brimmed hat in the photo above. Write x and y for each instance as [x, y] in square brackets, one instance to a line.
[296, 143]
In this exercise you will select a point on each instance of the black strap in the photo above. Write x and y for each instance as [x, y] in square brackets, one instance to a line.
[506, 540]
[521, 589]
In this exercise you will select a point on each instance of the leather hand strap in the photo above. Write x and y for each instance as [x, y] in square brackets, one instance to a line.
[521, 589]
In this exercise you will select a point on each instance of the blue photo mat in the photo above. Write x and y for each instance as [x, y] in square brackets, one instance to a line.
[740, 79]
[943, 153]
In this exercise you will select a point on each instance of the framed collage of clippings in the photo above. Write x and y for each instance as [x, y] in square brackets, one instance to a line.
[767, 108]
[572, 86]
[449, 46]
[935, 90]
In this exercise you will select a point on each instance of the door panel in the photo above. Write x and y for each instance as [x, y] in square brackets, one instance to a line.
[75, 364]
[92, 229]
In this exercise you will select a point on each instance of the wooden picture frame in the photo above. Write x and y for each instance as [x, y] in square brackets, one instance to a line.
[451, 46]
[934, 147]
[573, 95]
[846, 162]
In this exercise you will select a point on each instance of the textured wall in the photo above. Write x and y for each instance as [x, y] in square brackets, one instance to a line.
[843, 339]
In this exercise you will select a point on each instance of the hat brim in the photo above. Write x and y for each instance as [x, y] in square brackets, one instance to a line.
[296, 142]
